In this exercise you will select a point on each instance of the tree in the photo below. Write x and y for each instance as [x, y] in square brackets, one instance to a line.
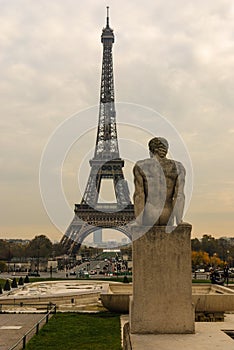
[208, 244]
[222, 247]
[87, 251]
[125, 279]
[14, 283]
[21, 281]
[195, 244]
[127, 249]
[215, 260]
[5, 250]
[7, 285]
[3, 266]
[26, 280]
[18, 250]
[40, 246]
[58, 249]
[200, 259]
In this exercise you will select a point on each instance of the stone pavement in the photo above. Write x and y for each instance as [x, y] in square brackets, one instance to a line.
[14, 326]
[208, 336]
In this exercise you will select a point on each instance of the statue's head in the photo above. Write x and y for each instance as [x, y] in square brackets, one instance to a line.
[158, 146]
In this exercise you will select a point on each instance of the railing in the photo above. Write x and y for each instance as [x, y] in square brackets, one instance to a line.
[201, 275]
[40, 306]
[51, 309]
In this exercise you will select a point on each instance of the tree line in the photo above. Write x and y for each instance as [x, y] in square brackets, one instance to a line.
[207, 251]
[39, 246]
[211, 251]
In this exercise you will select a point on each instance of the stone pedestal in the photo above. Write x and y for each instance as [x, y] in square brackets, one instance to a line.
[162, 286]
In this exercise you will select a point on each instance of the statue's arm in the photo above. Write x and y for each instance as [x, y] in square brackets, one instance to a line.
[179, 197]
[139, 194]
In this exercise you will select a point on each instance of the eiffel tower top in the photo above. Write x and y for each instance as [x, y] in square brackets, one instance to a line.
[107, 32]
[107, 143]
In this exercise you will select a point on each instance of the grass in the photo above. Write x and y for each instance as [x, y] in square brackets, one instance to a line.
[200, 281]
[79, 331]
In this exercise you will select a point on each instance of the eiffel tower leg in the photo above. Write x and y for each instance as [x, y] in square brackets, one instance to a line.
[75, 234]
[74, 248]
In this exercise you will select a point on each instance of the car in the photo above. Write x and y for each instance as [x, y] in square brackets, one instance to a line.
[200, 270]
[34, 273]
[231, 272]
[83, 274]
[73, 273]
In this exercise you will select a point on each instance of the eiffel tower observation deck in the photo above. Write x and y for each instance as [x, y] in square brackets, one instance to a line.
[91, 214]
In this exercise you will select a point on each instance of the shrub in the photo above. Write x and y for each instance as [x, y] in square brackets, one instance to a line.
[125, 279]
[26, 280]
[21, 281]
[7, 285]
[14, 283]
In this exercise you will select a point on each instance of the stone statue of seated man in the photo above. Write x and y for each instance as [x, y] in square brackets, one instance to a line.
[159, 187]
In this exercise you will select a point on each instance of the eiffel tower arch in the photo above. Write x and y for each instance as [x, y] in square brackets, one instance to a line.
[90, 214]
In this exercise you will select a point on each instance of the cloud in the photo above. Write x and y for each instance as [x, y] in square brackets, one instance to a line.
[175, 57]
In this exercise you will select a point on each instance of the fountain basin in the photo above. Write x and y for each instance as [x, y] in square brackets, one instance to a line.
[205, 297]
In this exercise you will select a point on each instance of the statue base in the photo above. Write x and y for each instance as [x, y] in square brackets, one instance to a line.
[162, 286]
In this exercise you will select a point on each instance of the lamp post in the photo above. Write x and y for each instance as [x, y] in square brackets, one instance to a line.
[228, 256]
[38, 259]
[9, 257]
[125, 259]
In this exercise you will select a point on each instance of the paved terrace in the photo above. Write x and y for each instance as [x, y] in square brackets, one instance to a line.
[14, 326]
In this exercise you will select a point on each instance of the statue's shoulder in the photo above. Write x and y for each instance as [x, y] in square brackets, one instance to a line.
[143, 162]
[179, 166]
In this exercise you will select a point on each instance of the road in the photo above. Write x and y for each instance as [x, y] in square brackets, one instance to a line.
[86, 266]
[93, 265]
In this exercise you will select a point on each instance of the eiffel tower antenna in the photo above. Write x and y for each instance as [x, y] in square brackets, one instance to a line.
[107, 16]
[106, 163]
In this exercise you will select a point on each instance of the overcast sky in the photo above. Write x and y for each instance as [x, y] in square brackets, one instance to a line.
[175, 57]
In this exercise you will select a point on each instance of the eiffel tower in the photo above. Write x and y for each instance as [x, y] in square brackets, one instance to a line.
[90, 214]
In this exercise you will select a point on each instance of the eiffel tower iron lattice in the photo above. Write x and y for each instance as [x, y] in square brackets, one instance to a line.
[90, 214]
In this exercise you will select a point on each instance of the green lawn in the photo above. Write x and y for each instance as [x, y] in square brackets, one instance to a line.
[79, 332]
